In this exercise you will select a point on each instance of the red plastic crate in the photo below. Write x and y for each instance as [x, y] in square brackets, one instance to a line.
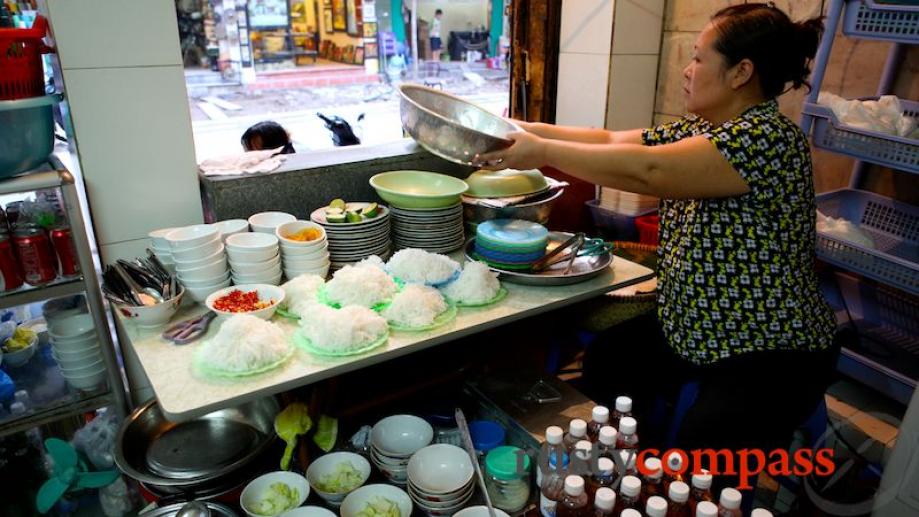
[21, 72]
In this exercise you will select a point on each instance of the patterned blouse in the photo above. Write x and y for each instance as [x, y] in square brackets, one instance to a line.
[736, 274]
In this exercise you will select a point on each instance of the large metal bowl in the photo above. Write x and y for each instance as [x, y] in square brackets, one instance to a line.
[450, 127]
[200, 455]
[537, 211]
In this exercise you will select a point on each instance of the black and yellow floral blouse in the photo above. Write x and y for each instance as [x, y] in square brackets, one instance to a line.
[736, 274]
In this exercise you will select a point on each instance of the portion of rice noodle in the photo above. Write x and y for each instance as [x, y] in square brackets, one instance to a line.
[416, 266]
[300, 292]
[245, 343]
[415, 306]
[476, 284]
[342, 330]
[362, 286]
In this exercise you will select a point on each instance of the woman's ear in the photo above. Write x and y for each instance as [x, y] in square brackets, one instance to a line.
[741, 73]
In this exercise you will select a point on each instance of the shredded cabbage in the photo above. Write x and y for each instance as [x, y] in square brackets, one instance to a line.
[277, 499]
[345, 479]
[380, 507]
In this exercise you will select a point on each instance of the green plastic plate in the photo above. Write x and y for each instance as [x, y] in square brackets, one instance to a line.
[500, 295]
[303, 342]
[202, 366]
[442, 319]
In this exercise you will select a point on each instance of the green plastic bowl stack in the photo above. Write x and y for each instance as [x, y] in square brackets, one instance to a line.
[418, 189]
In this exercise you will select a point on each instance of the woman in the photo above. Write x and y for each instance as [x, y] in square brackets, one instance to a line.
[739, 306]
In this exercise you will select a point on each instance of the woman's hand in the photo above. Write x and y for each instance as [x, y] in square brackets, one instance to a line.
[527, 152]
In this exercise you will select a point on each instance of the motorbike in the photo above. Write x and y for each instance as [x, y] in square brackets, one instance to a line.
[342, 133]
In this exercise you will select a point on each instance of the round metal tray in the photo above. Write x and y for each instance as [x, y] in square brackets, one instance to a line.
[584, 268]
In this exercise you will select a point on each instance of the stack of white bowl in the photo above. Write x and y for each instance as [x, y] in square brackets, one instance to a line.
[231, 227]
[160, 246]
[267, 222]
[200, 259]
[254, 258]
[75, 348]
[393, 441]
[303, 257]
[440, 479]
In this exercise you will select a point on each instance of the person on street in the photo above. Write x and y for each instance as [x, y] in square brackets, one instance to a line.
[437, 44]
[267, 134]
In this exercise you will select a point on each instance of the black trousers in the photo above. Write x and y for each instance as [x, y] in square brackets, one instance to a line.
[755, 400]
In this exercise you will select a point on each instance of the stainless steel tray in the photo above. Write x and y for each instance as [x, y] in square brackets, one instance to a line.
[584, 268]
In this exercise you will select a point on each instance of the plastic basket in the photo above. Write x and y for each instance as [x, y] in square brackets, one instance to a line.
[21, 71]
[648, 229]
[872, 146]
[612, 225]
[884, 21]
[894, 226]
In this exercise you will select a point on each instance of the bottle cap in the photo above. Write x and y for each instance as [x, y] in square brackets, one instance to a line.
[507, 462]
[554, 435]
[628, 459]
[730, 498]
[574, 485]
[623, 404]
[17, 408]
[679, 492]
[656, 507]
[758, 512]
[706, 509]
[702, 481]
[675, 462]
[630, 512]
[605, 499]
[577, 428]
[600, 414]
[584, 446]
[608, 435]
[486, 435]
[606, 465]
[630, 486]
[628, 425]
[654, 468]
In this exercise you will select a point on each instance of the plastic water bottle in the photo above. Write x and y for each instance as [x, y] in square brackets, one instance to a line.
[599, 418]
[628, 434]
[606, 441]
[622, 408]
[577, 431]
[652, 484]
[679, 500]
[604, 502]
[706, 509]
[656, 507]
[701, 489]
[760, 512]
[729, 503]
[629, 494]
[574, 502]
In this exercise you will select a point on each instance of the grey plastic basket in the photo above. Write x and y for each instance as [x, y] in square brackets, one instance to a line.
[26, 133]
[889, 21]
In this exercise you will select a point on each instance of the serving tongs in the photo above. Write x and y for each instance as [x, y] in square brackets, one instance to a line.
[574, 244]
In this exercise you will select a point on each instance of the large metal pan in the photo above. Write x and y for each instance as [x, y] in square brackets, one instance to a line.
[450, 127]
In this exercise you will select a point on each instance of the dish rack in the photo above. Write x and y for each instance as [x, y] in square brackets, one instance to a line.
[893, 262]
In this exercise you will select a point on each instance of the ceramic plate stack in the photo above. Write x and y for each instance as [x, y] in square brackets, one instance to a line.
[255, 258]
[307, 255]
[353, 242]
[437, 230]
[440, 479]
[200, 258]
[394, 440]
[75, 348]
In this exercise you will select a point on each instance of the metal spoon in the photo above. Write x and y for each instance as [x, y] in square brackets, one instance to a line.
[148, 296]
[194, 509]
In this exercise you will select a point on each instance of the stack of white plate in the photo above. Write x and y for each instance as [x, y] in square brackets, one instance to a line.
[268, 222]
[303, 257]
[440, 479]
[627, 203]
[436, 230]
[160, 246]
[353, 242]
[200, 259]
[394, 440]
[75, 348]
[254, 258]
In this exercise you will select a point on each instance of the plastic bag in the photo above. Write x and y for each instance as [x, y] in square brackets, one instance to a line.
[97, 440]
[843, 230]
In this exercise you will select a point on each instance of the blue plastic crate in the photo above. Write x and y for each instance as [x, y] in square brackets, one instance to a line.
[884, 21]
[613, 226]
[894, 226]
[872, 146]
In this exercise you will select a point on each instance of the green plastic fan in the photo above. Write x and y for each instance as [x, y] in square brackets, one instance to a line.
[70, 474]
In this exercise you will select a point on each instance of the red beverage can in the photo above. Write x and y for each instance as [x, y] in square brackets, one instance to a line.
[36, 257]
[10, 275]
[62, 240]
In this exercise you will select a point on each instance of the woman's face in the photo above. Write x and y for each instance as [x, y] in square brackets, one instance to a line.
[706, 84]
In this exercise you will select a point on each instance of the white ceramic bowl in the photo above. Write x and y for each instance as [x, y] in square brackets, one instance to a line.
[285, 230]
[209, 270]
[479, 511]
[232, 227]
[86, 382]
[252, 242]
[266, 222]
[265, 292]
[74, 355]
[309, 511]
[357, 500]
[290, 251]
[258, 486]
[191, 236]
[90, 342]
[200, 294]
[440, 501]
[154, 315]
[206, 282]
[273, 279]
[401, 435]
[255, 267]
[307, 263]
[158, 238]
[327, 465]
[80, 371]
[237, 255]
[92, 357]
[440, 468]
[21, 357]
[71, 325]
[294, 273]
[199, 253]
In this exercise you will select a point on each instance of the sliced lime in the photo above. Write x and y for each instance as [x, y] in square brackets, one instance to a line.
[370, 210]
[337, 203]
[353, 217]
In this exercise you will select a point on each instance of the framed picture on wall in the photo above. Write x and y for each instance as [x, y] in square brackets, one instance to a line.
[359, 56]
[370, 50]
[370, 29]
[352, 18]
[327, 21]
[339, 15]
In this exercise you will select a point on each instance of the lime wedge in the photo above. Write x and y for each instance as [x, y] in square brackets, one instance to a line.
[353, 217]
[326, 433]
[337, 203]
[370, 210]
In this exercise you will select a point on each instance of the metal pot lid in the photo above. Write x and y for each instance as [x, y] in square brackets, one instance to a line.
[217, 510]
[201, 447]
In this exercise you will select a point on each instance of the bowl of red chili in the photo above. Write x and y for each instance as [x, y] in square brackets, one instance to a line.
[260, 300]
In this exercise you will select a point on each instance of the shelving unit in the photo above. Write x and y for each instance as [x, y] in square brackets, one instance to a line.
[41, 368]
[894, 260]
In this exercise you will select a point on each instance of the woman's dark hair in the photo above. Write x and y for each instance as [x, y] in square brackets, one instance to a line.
[267, 135]
[781, 50]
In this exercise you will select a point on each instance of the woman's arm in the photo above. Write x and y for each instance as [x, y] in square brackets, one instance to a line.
[586, 135]
[690, 168]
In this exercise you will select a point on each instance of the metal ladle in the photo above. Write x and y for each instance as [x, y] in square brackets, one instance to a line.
[147, 295]
[194, 509]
